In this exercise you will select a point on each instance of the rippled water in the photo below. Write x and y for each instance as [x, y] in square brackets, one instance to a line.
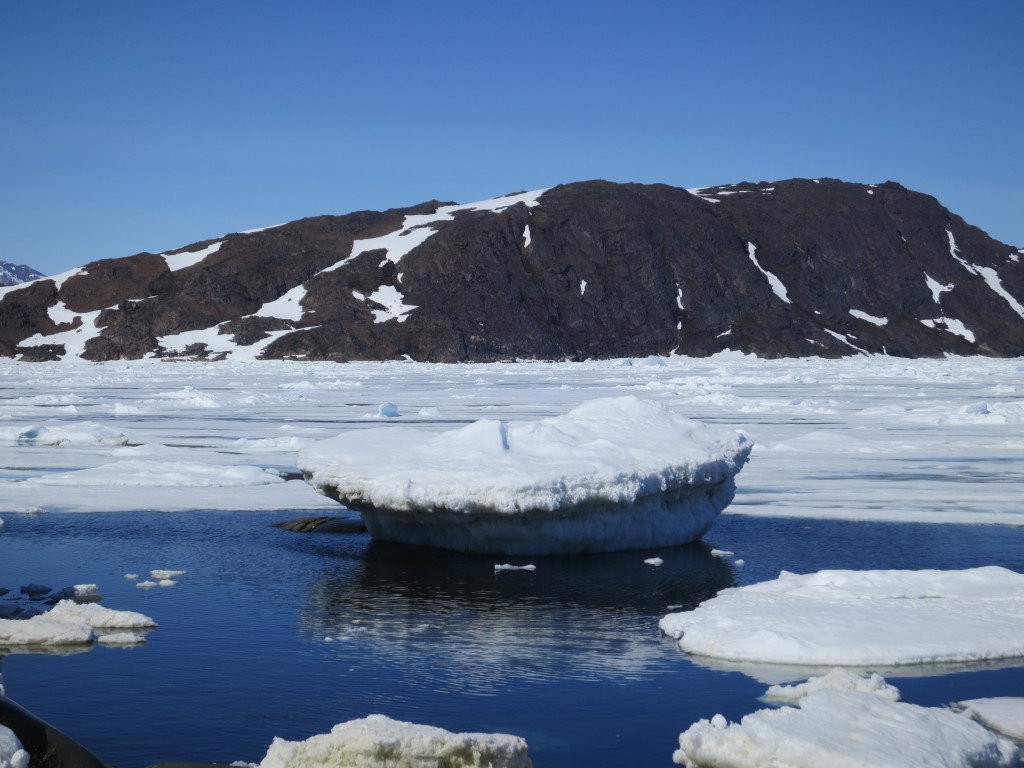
[273, 633]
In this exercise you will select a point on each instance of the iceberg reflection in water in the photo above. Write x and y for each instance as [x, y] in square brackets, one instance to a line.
[583, 617]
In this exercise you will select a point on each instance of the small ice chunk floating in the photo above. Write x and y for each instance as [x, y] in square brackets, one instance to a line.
[612, 474]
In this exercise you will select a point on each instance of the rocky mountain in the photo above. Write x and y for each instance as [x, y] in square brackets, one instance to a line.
[592, 269]
[12, 274]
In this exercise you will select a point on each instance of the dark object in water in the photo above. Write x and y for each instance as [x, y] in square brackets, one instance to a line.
[323, 525]
[46, 746]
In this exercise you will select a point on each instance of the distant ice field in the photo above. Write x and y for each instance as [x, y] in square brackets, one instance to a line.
[864, 438]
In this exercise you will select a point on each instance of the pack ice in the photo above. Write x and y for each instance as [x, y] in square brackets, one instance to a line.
[612, 474]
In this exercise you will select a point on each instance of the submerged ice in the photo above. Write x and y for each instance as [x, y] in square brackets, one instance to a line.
[613, 473]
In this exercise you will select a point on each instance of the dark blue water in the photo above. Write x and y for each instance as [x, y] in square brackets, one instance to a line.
[274, 633]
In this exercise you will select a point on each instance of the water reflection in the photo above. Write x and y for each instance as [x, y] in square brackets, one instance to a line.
[458, 625]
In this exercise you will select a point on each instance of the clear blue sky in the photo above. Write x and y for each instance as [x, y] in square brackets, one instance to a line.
[128, 126]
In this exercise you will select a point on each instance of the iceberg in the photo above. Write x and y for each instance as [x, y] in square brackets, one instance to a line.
[612, 474]
[838, 723]
[881, 618]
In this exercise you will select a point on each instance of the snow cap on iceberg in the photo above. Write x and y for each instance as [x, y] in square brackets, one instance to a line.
[378, 740]
[614, 473]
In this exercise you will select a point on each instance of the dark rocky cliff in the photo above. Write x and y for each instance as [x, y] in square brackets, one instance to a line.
[593, 269]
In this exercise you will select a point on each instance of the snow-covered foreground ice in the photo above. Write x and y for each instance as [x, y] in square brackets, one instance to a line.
[877, 619]
[612, 474]
[838, 723]
[1002, 714]
[70, 623]
[861, 438]
[376, 741]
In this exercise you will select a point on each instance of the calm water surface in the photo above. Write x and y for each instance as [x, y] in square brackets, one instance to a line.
[273, 633]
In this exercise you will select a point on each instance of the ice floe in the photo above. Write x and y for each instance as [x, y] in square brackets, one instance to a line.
[613, 473]
[838, 679]
[861, 618]
[81, 433]
[69, 623]
[840, 724]
[152, 474]
[1002, 714]
[98, 617]
[378, 740]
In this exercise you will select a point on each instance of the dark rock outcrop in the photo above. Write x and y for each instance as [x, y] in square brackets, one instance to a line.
[592, 269]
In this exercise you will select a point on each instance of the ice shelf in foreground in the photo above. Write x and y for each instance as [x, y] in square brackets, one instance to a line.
[842, 724]
[377, 741]
[612, 474]
[861, 618]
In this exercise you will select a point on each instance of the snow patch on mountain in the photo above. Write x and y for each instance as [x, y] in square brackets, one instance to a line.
[187, 259]
[777, 287]
[988, 274]
[879, 321]
[416, 229]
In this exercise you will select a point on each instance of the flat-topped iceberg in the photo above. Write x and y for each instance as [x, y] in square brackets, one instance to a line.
[861, 618]
[612, 474]
[378, 740]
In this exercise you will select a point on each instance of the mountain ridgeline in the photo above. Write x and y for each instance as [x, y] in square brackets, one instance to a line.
[12, 274]
[585, 270]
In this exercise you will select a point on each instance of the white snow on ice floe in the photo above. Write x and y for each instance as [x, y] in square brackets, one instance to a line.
[838, 679]
[163, 573]
[98, 617]
[12, 754]
[377, 740]
[613, 473]
[44, 630]
[861, 618]
[68, 623]
[842, 727]
[155, 474]
[80, 433]
[1002, 714]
